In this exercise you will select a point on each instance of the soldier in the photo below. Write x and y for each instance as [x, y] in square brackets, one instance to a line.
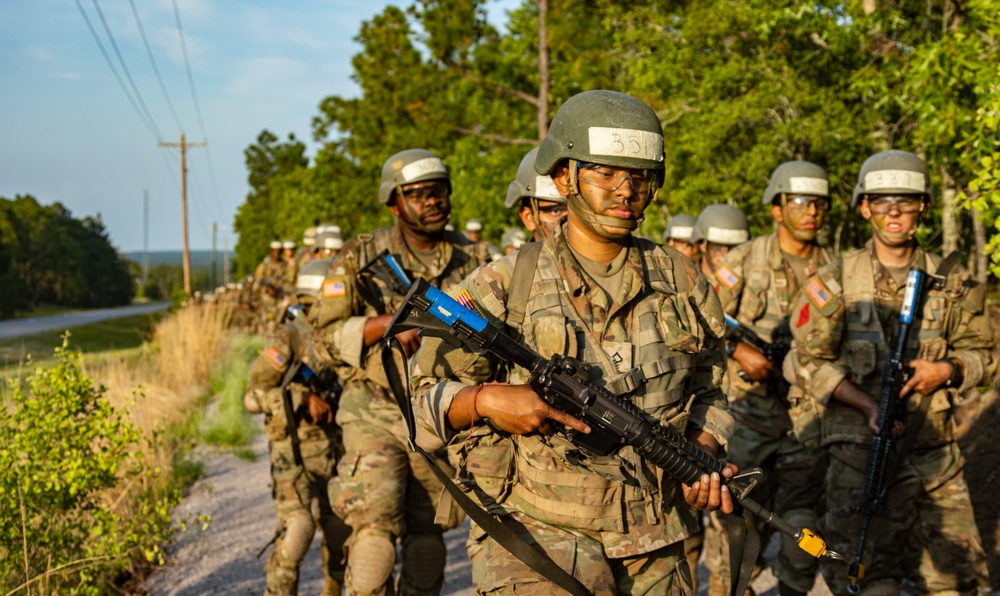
[384, 490]
[843, 326]
[291, 266]
[756, 282]
[621, 304]
[329, 243]
[718, 229]
[678, 235]
[542, 208]
[474, 229]
[304, 254]
[512, 240]
[269, 284]
[298, 478]
[272, 267]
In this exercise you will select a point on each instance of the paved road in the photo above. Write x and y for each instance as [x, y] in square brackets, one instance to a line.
[33, 325]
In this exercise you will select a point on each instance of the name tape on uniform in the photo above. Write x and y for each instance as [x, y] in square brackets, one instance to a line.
[808, 186]
[626, 142]
[902, 180]
[681, 232]
[727, 277]
[310, 282]
[275, 357]
[546, 188]
[333, 288]
[422, 167]
[726, 236]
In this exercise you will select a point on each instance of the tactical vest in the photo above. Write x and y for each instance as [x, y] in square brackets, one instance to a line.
[865, 350]
[551, 480]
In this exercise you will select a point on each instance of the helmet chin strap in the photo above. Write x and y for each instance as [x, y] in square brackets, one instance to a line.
[579, 206]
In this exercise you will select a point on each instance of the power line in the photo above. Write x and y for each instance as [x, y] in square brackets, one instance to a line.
[151, 127]
[128, 74]
[152, 62]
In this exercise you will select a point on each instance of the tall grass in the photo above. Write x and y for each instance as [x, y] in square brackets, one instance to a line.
[229, 423]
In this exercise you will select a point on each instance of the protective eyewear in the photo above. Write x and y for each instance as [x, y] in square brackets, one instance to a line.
[611, 179]
[903, 204]
[553, 209]
[423, 194]
[717, 249]
[804, 202]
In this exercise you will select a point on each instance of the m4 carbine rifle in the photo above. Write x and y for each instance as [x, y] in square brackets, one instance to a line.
[563, 383]
[386, 269]
[774, 351]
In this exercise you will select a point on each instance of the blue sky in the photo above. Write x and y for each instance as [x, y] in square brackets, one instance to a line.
[69, 134]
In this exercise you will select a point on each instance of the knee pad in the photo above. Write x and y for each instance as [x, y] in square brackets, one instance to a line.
[370, 560]
[297, 536]
[424, 559]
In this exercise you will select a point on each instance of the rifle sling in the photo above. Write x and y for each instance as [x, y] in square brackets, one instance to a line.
[286, 400]
[520, 285]
[494, 526]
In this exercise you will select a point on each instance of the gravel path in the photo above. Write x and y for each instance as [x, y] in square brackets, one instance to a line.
[237, 495]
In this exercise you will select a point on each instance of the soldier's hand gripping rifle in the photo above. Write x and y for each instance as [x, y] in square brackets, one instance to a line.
[774, 351]
[563, 383]
[891, 409]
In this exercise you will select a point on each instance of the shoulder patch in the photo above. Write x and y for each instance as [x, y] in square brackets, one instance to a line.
[803, 315]
[818, 293]
[726, 277]
[465, 299]
[333, 288]
[275, 357]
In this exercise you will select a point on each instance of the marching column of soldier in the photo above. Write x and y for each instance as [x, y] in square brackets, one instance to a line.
[768, 353]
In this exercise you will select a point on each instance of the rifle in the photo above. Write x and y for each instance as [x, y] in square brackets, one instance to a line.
[385, 268]
[774, 351]
[890, 410]
[563, 383]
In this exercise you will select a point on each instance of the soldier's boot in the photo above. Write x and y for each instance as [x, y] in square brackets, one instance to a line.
[424, 559]
[371, 555]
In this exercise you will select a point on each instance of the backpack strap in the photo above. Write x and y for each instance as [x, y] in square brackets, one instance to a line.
[520, 285]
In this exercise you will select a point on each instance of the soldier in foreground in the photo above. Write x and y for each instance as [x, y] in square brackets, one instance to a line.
[678, 235]
[756, 282]
[718, 229]
[383, 490]
[540, 206]
[620, 304]
[303, 451]
[844, 320]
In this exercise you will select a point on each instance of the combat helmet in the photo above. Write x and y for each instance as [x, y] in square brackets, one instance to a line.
[513, 238]
[473, 225]
[679, 227]
[309, 283]
[309, 236]
[329, 239]
[407, 167]
[531, 184]
[797, 178]
[892, 172]
[721, 224]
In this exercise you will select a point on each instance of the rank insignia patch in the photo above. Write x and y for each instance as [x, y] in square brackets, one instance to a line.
[334, 287]
[818, 293]
[726, 276]
[465, 299]
[276, 358]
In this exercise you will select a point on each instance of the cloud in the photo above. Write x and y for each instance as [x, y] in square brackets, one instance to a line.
[267, 78]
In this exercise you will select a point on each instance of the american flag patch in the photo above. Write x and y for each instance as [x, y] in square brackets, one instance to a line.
[726, 276]
[818, 293]
[276, 358]
[333, 288]
[465, 299]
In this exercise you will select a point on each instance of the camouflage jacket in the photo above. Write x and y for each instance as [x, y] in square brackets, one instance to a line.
[273, 271]
[341, 313]
[652, 326]
[843, 329]
[756, 285]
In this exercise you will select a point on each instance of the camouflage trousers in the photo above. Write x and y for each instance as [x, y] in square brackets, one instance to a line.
[495, 571]
[924, 532]
[295, 489]
[384, 491]
[792, 488]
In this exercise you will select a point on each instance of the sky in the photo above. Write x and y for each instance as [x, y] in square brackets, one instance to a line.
[69, 134]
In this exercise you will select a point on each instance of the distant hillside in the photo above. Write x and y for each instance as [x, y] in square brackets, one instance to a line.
[199, 258]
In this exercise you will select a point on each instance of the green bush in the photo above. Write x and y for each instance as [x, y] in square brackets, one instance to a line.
[74, 508]
[230, 424]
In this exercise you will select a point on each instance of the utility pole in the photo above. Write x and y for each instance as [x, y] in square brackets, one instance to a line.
[225, 261]
[215, 232]
[184, 205]
[145, 237]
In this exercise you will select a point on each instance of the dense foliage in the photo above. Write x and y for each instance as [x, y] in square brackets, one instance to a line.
[46, 255]
[741, 86]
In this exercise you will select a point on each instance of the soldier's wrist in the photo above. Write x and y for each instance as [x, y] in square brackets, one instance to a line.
[955, 379]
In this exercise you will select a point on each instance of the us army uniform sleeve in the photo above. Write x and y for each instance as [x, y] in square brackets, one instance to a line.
[340, 315]
[710, 407]
[729, 278]
[263, 393]
[817, 323]
[439, 371]
[971, 338]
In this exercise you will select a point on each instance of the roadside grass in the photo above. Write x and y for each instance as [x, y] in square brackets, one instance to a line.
[109, 338]
[229, 424]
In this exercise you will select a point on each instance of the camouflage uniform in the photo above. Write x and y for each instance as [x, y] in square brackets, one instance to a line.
[275, 272]
[295, 487]
[383, 488]
[617, 523]
[756, 284]
[843, 327]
